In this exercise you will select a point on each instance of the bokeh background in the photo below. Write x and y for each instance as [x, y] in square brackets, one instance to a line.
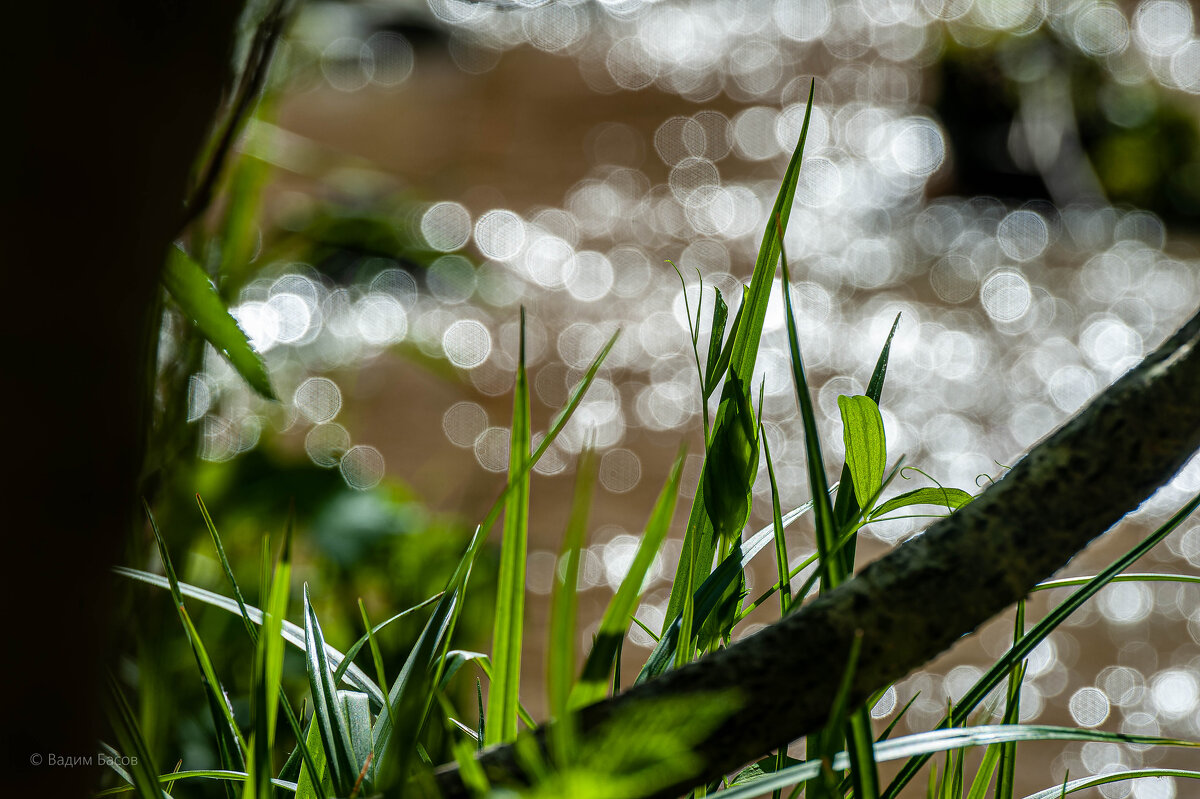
[1018, 179]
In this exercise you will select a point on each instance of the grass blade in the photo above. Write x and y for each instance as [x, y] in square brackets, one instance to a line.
[510, 584]
[231, 745]
[564, 605]
[699, 544]
[143, 774]
[615, 622]
[268, 676]
[328, 712]
[781, 556]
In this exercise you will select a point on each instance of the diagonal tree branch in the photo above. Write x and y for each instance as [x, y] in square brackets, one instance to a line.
[967, 568]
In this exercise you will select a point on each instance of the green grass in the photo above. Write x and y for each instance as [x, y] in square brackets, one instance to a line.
[371, 731]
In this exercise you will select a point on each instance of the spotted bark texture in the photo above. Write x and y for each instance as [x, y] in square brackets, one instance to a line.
[914, 603]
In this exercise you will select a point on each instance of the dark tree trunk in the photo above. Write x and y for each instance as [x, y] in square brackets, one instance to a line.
[106, 108]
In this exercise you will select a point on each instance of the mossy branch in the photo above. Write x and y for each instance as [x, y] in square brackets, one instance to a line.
[918, 600]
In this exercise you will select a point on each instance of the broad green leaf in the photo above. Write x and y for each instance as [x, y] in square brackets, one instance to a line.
[866, 449]
[199, 301]
[615, 622]
[328, 712]
[509, 625]
[845, 506]
[1038, 633]
[949, 498]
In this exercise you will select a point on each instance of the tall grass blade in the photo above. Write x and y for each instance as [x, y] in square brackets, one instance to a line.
[268, 675]
[412, 692]
[699, 543]
[376, 655]
[1038, 633]
[328, 712]
[592, 684]
[199, 301]
[510, 584]
[781, 556]
[1006, 781]
[143, 773]
[252, 630]
[564, 603]
[231, 745]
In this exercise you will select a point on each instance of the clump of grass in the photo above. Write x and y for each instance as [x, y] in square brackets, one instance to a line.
[365, 736]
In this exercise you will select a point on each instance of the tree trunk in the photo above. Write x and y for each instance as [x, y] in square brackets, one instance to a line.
[109, 104]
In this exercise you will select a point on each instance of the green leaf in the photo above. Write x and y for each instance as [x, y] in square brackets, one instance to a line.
[845, 508]
[509, 623]
[949, 498]
[615, 622]
[198, 774]
[199, 301]
[357, 707]
[328, 711]
[866, 448]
